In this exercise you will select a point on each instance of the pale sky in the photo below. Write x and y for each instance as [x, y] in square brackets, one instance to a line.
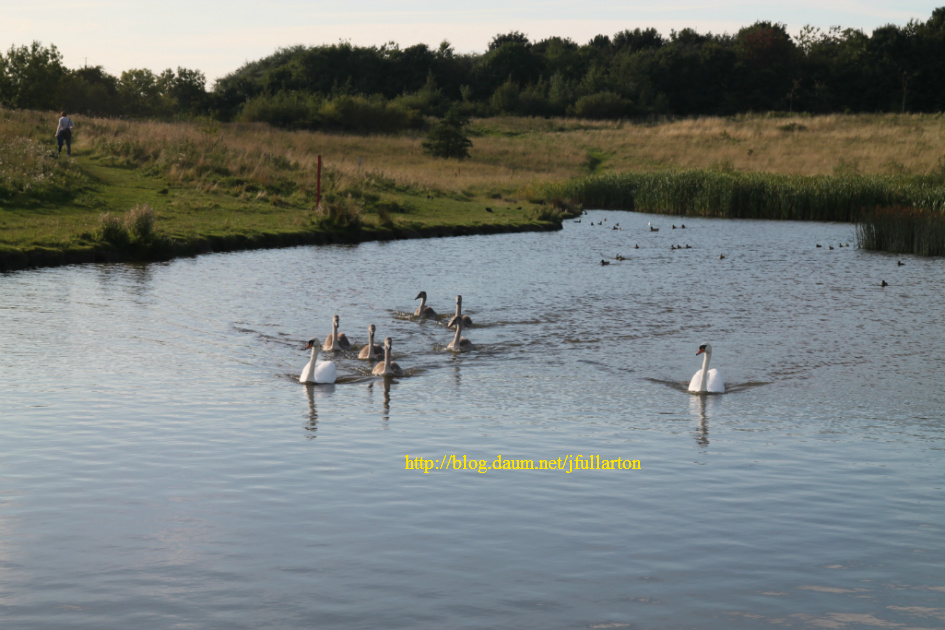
[218, 37]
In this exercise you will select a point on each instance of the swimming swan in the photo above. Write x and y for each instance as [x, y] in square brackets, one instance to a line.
[467, 322]
[387, 367]
[320, 371]
[337, 340]
[423, 310]
[706, 380]
[459, 342]
[371, 350]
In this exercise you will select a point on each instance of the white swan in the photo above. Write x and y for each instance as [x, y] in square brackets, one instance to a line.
[387, 367]
[423, 310]
[337, 340]
[371, 350]
[467, 321]
[706, 380]
[459, 342]
[320, 371]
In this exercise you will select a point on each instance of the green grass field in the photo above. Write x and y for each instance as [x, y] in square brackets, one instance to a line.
[81, 209]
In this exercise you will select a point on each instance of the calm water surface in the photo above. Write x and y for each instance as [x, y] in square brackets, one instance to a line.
[161, 467]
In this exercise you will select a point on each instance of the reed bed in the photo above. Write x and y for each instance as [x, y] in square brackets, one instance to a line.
[902, 231]
[751, 195]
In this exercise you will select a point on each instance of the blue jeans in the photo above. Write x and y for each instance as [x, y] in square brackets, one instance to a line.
[67, 138]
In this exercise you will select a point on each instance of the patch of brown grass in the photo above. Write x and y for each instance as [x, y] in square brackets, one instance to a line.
[511, 154]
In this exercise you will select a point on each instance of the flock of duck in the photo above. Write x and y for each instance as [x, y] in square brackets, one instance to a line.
[652, 228]
[322, 372]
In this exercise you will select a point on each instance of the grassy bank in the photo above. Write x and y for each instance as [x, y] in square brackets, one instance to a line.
[211, 187]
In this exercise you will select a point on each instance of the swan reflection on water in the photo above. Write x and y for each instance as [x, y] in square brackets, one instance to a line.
[313, 391]
[697, 406]
[385, 387]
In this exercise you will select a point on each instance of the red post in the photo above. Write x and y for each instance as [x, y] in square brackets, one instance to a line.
[318, 184]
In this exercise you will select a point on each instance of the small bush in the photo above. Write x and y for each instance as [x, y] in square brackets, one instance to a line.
[112, 230]
[135, 228]
[139, 223]
[338, 212]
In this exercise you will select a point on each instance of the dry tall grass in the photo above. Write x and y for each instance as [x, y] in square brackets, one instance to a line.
[512, 153]
[798, 145]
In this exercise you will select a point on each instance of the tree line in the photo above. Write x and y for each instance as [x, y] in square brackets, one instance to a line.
[630, 74]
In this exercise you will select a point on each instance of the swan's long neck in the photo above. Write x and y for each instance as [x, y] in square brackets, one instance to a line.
[459, 306]
[387, 354]
[459, 330]
[705, 370]
[334, 334]
[314, 353]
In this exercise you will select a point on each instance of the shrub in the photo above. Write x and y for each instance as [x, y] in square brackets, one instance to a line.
[338, 212]
[448, 137]
[112, 230]
[139, 222]
[603, 105]
[135, 228]
[367, 115]
[283, 109]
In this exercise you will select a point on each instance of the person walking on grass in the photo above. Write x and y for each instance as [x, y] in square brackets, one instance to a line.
[64, 133]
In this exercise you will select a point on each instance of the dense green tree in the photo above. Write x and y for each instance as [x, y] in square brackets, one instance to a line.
[630, 73]
[689, 73]
[505, 99]
[929, 95]
[512, 61]
[448, 139]
[139, 92]
[766, 63]
[513, 37]
[894, 66]
[31, 77]
[90, 90]
[186, 89]
[561, 56]
[636, 39]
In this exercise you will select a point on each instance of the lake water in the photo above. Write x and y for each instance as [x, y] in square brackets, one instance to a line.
[162, 468]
